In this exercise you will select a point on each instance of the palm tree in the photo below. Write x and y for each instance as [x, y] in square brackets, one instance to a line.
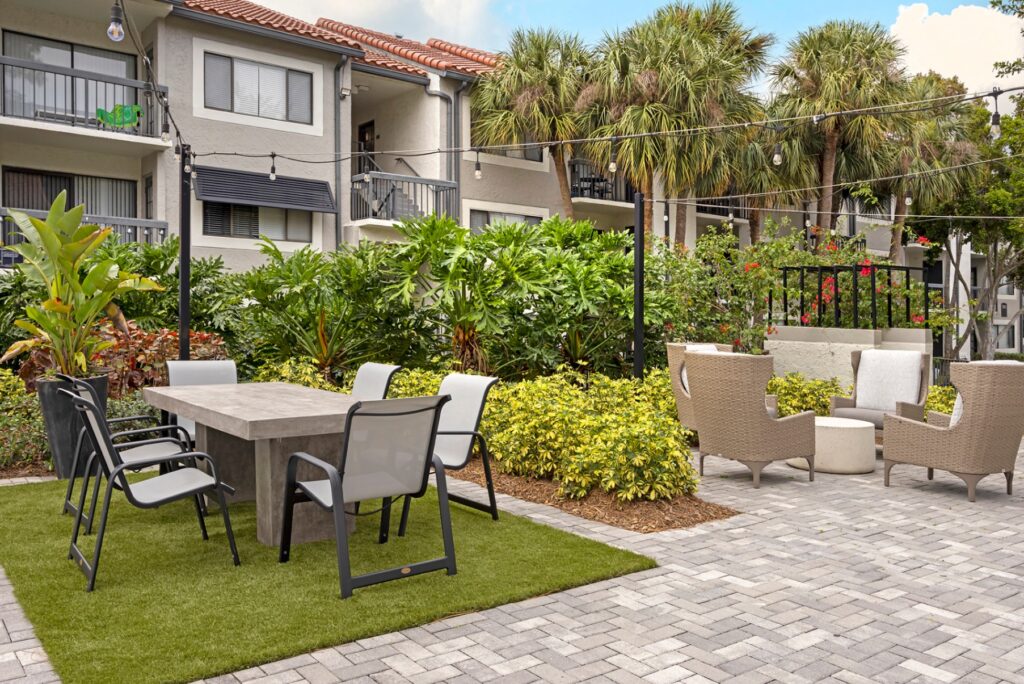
[920, 142]
[840, 66]
[532, 95]
[684, 67]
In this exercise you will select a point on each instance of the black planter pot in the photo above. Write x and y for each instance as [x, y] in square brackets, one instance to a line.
[63, 422]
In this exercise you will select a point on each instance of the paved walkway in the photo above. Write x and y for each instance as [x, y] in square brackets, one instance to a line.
[838, 580]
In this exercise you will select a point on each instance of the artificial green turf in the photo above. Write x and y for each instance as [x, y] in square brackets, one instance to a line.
[171, 607]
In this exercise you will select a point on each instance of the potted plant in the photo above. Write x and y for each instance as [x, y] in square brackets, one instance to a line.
[79, 293]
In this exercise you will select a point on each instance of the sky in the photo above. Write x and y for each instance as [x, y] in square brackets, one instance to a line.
[954, 38]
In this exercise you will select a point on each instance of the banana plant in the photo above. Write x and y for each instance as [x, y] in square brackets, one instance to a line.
[79, 291]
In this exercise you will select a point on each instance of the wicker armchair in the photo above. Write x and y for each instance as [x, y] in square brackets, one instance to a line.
[680, 386]
[983, 441]
[728, 403]
[885, 385]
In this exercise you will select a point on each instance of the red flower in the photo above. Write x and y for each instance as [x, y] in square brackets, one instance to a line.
[866, 271]
[832, 247]
[736, 342]
[806, 319]
[750, 266]
[924, 241]
[917, 318]
[669, 326]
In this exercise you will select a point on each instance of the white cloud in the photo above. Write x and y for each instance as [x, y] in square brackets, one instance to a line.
[964, 43]
[472, 22]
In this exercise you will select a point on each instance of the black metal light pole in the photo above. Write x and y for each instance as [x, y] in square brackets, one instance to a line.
[638, 285]
[185, 254]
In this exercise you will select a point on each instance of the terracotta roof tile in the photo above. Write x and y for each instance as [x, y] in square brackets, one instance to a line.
[475, 54]
[380, 59]
[465, 61]
[251, 13]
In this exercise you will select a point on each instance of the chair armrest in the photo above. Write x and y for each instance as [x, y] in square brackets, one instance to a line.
[939, 419]
[912, 411]
[332, 474]
[134, 419]
[842, 402]
[120, 446]
[182, 432]
[173, 458]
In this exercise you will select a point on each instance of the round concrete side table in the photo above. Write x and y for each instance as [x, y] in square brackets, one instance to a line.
[842, 446]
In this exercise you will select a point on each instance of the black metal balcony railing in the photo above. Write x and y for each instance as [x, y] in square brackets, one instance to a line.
[79, 98]
[126, 229]
[849, 296]
[587, 180]
[393, 197]
[723, 207]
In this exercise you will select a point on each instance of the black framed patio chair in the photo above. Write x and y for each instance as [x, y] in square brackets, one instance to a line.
[387, 452]
[136, 445]
[184, 481]
[457, 431]
[373, 380]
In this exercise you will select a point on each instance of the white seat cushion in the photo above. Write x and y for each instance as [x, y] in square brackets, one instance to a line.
[148, 451]
[702, 347]
[887, 376]
[175, 483]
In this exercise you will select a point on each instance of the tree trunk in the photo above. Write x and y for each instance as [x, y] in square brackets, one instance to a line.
[558, 156]
[681, 227]
[755, 225]
[648, 227]
[896, 251]
[828, 174]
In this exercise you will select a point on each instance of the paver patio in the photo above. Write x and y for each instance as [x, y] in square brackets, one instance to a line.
[837, 580]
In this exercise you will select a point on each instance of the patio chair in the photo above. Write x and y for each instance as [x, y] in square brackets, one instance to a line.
[373, 380]
[979, 440]
[886, 382]
[184, 481]
[387, 451]
[199, 373]
[456, 433]
[728, 391]
[680, 378]
[135, 449]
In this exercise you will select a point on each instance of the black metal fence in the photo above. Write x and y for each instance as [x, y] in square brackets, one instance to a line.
[74, 97]
[393, 197]
[588, 180]
[851, 296]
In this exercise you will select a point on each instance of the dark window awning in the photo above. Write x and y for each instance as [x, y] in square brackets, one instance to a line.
[256, 189]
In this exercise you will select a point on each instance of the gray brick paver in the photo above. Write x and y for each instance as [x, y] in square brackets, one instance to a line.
[840, 580]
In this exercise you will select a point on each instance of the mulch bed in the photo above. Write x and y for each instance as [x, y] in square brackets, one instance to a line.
[32, 469]
[638, 516]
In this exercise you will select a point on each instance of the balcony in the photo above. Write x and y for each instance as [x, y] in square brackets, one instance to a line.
[588, 182]
[723, 207]
[126, 229]
[103, 113]
[379, 199]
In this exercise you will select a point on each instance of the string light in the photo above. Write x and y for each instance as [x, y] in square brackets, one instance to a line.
[165, 131]
[908, 200]
[612, 165]
[177, 153]
[115, 31]
[777, 155]
[273, 166]
[477, 171]
[995, 129]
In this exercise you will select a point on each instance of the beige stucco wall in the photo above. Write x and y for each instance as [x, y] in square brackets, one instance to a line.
[825, 352]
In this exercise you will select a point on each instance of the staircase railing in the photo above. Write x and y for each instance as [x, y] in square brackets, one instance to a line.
[393, 197]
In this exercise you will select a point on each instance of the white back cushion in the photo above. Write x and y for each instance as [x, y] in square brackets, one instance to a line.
[886, 376]
[702, 347]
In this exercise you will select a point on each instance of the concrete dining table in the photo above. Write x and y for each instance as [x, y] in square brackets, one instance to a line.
[250, 430]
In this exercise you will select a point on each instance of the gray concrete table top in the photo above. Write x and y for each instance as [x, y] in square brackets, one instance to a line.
[258, 410]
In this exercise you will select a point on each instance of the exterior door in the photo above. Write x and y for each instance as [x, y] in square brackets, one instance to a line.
[365, 138]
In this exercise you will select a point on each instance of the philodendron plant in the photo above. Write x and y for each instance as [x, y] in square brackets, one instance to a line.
[55, 254]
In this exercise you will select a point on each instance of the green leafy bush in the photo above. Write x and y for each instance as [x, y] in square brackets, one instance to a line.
[797, 394]
[415, 382]
[22, 432]
[557, 427]
[940, 398]
[297, 371]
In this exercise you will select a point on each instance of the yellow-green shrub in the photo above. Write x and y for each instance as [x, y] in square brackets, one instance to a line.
[940, 398]
[617, 435]
[797, 394]
[22, 432]
[415, 382]
[296, 371]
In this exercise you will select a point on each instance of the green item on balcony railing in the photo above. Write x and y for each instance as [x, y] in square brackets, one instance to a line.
[122, 116]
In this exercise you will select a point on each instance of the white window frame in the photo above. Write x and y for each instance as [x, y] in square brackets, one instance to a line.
[201, 46]
[235, 243]
[469, 205]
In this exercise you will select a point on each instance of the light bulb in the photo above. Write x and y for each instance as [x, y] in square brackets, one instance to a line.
[908, 200]
[995, 129]
[273, 173]
[807, 223]
[273, 166]
[165, 132]
[188, 168]
[477, 171]
[177, 153]
[193, 174]
[115, 31]
[612, 166]
[777, 155]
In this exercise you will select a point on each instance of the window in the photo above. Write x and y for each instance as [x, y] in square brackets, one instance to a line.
[1002, 310]
[25, 189]
[534, 154]
[480, 219]
[147, 196]
[1006, 336]
[246, 87]
[239, 220]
